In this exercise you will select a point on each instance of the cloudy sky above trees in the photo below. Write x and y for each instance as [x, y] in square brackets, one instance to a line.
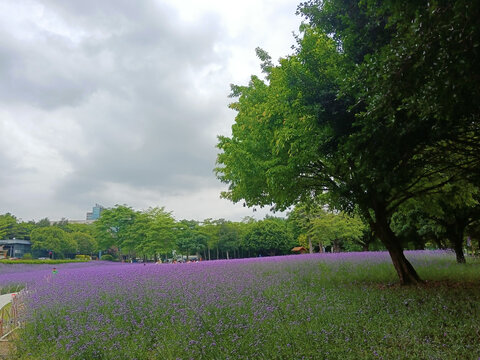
[120, 101]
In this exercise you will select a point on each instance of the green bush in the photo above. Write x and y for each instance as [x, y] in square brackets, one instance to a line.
[107, 257]
[83, 257]
[27, 256]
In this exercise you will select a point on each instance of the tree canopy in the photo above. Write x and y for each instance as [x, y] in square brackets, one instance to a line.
[54, 240]
[371, 107]
[269, 237]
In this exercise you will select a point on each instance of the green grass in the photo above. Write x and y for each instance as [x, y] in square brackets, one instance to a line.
[321, 309]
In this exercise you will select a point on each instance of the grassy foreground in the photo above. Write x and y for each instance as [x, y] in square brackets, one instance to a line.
[332, 306]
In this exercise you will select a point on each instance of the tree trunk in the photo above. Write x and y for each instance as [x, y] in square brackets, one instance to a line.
[336, 246]
[320, 247]
[405, 271]
[310, 247]
[209, 258]
[228, 258]
[457, 246]
[455, 235]
[217, 253]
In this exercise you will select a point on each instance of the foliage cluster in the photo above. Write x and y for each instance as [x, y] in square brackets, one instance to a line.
[81, 257]
[123, 233]
[154, 234]
[107, 257]
[377, 107]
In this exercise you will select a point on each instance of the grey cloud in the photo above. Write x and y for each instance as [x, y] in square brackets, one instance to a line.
[41, 75]
[141, 118]
[142, 43]
[8, 169]
[168, 147]
[128, 98]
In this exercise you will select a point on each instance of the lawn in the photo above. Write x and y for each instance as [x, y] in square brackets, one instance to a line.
[321, 306]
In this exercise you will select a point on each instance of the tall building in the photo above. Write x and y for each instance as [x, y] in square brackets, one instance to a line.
[96, 211]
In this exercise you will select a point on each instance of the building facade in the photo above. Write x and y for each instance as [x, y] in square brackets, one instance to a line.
[16, 248]
[95, 213]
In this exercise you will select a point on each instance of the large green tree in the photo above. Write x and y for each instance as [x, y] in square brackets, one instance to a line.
[54, 240]
[364, 109]
[154, 229]
[270, 236]
[228, 237]
[115, 228]
[8, 223]
[13, 228]
[209, 228]
[327, 228]
[445, 215]
[86, 243]
[189, 237]
[332, 229]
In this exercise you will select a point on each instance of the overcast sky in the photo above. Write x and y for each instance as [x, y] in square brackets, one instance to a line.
[121, 101]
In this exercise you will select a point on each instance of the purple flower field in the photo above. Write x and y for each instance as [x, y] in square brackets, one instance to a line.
[303, 306]
[31, 274]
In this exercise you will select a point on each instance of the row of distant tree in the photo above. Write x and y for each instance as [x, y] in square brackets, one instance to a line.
[154, 233]
[58, 240]
[126, 233]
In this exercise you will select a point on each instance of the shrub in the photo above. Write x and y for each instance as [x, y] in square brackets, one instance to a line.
[83, 257]
[27, 256]
[107, 257]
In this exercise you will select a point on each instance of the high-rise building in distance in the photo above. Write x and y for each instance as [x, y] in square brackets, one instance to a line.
[95, 213]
